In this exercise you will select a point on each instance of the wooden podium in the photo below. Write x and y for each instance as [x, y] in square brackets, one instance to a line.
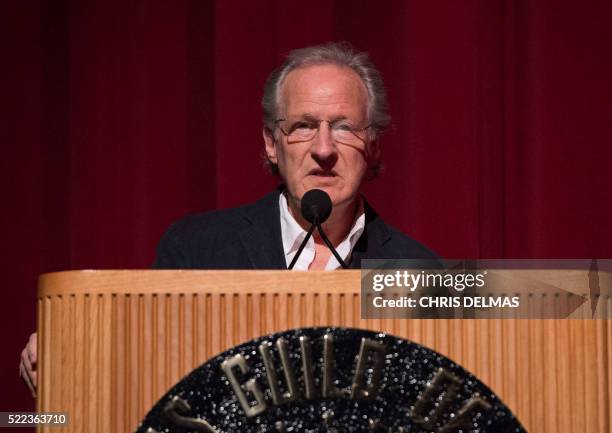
[111, 343]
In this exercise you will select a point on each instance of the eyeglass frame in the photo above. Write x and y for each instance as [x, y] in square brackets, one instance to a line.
[329, 122]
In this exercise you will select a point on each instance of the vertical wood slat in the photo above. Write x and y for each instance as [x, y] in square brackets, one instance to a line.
[590, 374]
[577, 367]
[90, 382]
[146, 369]
[44, 364]
[510, 373]
[496, 336]
[57, 326]
[118, 352]
[119, 344]
[524, 368]
[550, 399]
[68, 355]
[56, 329]
[563, 354]
[603, 354]
[536, 392]
[105, 397]
[608, 343]
[132, 333]
[80, 348]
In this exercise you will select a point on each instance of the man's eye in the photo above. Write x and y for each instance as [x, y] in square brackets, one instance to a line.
[344, 127]
[302, 126]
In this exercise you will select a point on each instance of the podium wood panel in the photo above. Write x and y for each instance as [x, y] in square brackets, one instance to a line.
[111, 343]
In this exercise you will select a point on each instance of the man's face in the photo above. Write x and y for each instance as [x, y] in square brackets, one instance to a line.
[328, 93]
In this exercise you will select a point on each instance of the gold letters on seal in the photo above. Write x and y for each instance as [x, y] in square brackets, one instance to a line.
[366, 380]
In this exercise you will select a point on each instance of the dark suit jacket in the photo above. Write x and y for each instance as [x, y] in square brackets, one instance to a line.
[249, 237]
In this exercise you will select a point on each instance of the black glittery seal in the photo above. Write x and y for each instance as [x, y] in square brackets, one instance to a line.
[401, 387]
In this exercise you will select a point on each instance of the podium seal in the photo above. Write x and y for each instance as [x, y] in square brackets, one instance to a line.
[330, 380]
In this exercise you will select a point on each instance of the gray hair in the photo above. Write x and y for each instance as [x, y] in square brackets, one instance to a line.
[336, 53]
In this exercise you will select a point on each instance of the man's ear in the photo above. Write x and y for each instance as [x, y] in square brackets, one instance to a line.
[270, 144]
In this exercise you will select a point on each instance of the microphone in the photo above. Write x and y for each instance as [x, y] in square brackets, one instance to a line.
[316, 208]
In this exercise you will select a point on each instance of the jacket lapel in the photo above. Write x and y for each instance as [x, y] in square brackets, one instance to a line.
[262, 236]
[371, 243]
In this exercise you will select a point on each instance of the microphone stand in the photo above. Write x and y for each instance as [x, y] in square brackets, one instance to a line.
[317, 224]
[329, 245]
[301, 248]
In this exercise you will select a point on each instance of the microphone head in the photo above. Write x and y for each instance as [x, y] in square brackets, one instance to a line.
[316, 204]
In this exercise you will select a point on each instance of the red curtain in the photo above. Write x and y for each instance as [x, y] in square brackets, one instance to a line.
[119, 117]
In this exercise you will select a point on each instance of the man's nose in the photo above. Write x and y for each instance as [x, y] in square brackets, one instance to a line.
[323, 146]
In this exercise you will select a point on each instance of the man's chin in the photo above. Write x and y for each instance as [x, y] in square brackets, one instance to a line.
[338, 198]
[331, 190]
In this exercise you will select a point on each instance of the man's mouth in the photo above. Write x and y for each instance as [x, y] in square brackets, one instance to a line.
[322, 173]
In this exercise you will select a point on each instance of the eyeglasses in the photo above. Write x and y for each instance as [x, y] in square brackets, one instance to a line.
[342, 131]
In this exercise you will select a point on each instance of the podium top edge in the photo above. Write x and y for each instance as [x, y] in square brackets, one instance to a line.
[141, 282]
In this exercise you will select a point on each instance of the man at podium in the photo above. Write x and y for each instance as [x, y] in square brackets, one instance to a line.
[324, 110]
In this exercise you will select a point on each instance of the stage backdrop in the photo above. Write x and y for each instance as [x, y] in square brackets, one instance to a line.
[117, 117]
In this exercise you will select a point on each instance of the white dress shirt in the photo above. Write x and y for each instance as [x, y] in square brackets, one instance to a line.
[293, 235]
